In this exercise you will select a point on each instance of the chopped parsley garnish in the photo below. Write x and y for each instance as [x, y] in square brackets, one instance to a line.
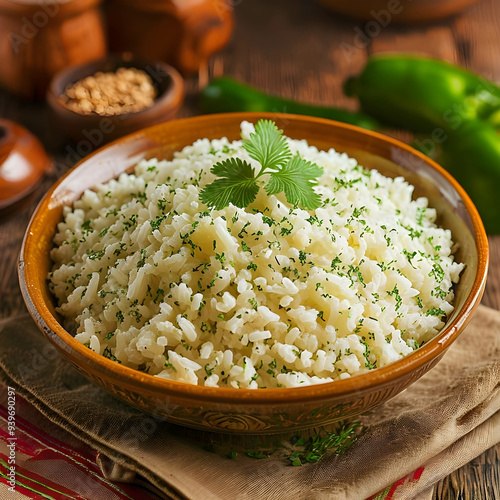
[245, 247]
[155, 224]
[108, 354]
[315, 448]
[437, 272]
[95, 255]
[395, 293]
[86, 229]
[253, 302]
[142, 260]
[435, 311]
[159, 293]
[257, 454]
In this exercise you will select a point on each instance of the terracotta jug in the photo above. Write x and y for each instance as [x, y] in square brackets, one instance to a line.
[182, 33]
[41, 37]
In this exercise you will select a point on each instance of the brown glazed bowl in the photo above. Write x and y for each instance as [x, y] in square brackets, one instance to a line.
[258, 410]
[383, 12]
[98, 130]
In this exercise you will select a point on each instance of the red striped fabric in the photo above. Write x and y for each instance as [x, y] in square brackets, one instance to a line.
[390, 492]
[35, 483]
[52, 464]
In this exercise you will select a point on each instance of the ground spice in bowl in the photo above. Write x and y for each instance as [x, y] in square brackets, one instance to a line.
[126, 90]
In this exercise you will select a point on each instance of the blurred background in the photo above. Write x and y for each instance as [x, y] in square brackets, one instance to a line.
[300, 50]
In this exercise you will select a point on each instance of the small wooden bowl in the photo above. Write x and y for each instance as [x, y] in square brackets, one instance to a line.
[258, 410]
[381, 12]
[98, 130]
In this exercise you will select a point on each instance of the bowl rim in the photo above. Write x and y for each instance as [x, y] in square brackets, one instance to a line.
[172, 95]
[146, 383]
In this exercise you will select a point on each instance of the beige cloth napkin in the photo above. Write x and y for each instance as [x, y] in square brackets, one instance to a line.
[441, 422]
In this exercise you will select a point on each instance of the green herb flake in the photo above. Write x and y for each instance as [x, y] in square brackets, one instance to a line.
[435, 311]
[438, 272]
[159, 293]
[108, 354]
[257, 454]
[142, 260]
[95, 255]
[86, 229]
[155, 224]
[395, 293]
[318, 445]
[253, 302]
[245, 247]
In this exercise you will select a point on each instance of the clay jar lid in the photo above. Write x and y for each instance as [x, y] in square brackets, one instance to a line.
[23, 163]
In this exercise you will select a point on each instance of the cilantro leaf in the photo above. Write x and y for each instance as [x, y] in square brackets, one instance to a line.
[267, 145]
[236, 184]
[296, 179]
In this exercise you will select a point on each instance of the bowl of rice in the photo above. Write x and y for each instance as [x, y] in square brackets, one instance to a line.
[257, 315]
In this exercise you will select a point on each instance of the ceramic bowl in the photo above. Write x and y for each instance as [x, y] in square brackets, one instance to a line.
[98, 129]
[261, 410]
[381, 12]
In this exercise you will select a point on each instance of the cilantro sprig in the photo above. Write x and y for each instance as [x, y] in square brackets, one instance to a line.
[237, 182]
[300, 450]
[316, 447]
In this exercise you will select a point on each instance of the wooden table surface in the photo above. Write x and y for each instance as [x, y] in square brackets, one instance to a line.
[297, 49]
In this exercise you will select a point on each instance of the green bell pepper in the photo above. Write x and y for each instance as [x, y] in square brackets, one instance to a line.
[471, 154]
[224, 94]
[457, 108]
[421, 94]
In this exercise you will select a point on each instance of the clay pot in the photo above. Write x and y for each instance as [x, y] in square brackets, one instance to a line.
[184, 34]
[44, 37]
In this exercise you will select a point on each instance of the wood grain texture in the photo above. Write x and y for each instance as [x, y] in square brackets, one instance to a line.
[297, 49]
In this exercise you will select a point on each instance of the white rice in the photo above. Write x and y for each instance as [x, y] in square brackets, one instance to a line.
[267, 296]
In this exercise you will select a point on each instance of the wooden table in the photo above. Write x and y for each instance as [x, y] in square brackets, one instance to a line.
[297, 49]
